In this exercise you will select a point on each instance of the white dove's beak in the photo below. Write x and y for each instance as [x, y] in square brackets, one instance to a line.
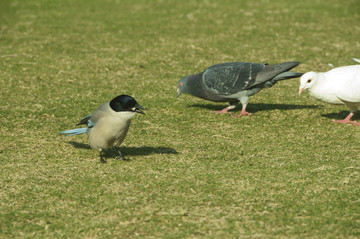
[301, 90]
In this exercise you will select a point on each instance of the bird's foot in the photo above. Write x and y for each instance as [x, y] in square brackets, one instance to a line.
[224, 111]
[122, 158]
[242, 114]
[101, 154]
[345, 121]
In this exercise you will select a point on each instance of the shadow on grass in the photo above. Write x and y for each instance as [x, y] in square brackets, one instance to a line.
[79, 145]
[256, 107]
[341, 115]
[130, 151]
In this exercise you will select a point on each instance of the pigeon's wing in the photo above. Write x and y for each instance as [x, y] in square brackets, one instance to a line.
[270, 71]
[230, 78]
[345, 82]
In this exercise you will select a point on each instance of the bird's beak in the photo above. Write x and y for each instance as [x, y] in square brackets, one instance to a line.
[301, 90]
[178, 93]
[138, 109]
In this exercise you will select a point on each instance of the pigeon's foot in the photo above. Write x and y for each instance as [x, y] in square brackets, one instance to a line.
[224, 111]
[346, 121]
[242, 114]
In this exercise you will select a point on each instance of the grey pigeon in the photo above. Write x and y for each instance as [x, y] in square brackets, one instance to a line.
[234, 82]
[108, 125]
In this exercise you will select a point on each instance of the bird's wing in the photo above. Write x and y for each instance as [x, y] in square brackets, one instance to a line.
[84, 120]
[100, 112]
[346, 83]
[232, 77]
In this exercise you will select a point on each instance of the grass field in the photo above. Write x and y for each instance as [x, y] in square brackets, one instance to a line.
[287, 171]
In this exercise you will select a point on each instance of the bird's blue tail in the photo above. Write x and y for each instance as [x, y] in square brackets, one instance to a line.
[72, 132]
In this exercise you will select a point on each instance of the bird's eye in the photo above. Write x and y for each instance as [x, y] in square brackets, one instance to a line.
[180, 84]
[309, 80]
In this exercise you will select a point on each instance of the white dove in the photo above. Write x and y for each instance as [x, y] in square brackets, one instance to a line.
[340, 85]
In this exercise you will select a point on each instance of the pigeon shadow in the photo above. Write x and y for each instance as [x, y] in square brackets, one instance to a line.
[130, 151]
[253, 108]
[341, 115]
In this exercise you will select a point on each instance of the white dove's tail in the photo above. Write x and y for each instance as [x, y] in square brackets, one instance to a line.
[357, 60]
[72, 132]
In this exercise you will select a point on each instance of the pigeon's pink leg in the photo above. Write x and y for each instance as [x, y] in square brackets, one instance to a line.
[243, 112]
[225, 110]
[347, 120]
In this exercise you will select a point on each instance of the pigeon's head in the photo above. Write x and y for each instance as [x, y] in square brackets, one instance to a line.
[307, 81]
[181, 85]
[126, 104]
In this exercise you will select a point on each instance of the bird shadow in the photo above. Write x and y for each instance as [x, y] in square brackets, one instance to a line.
[130, 151]
[79, 145]
[341, 115]
[253, 108]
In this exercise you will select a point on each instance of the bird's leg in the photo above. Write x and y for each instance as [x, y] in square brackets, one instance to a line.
[120, 156]
[243, 111]
[102, 160]
[225, 110]
[347, 120]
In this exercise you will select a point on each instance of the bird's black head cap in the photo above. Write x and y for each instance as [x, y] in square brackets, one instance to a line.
[125, 103]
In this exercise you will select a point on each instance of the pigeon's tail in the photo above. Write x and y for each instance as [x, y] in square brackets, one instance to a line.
[72, 132]
[282, 76]
[285, 66]
[276, 72]
[287, 75]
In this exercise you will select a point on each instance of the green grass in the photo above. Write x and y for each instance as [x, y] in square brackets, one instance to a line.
[287, 171]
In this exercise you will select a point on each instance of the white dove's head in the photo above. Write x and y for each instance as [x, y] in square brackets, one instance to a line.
[307, 81]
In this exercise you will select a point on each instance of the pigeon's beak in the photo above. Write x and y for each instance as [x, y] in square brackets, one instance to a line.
[178, 93]
[138, 109]
[301, 90]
